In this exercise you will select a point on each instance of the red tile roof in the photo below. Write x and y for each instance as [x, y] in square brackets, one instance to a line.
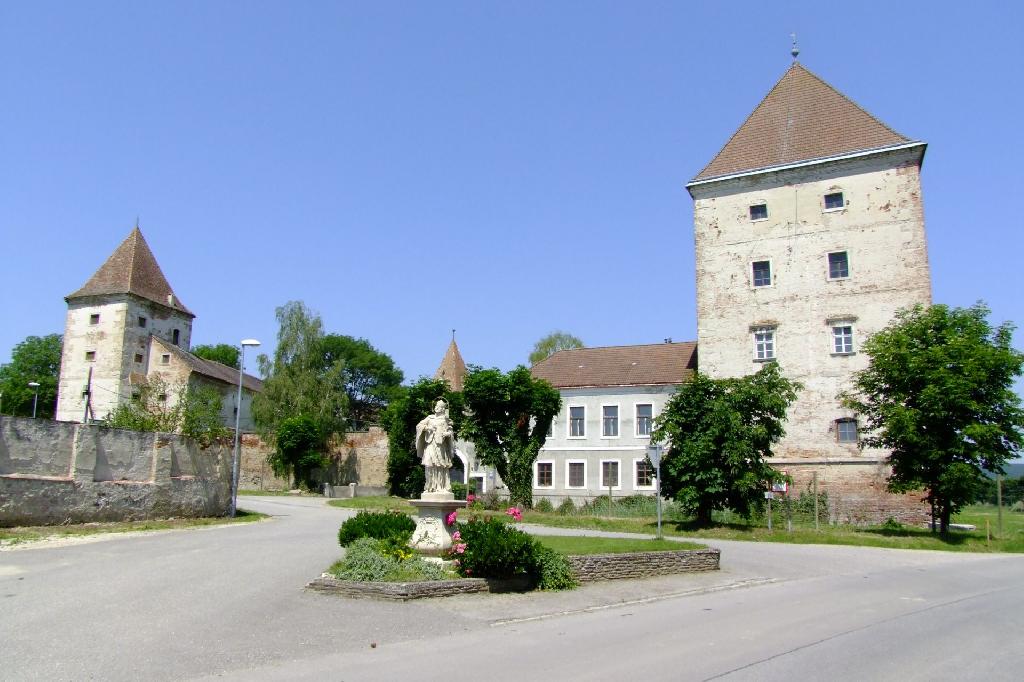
[802, 118]
[132, 269]
[212, 369]
[653, 364]
[452, 368]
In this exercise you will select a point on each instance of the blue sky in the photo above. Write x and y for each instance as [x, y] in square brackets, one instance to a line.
[504, 169]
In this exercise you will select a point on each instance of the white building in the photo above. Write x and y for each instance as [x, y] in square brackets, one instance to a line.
[126, 325]
[810, 236]
[610, 397]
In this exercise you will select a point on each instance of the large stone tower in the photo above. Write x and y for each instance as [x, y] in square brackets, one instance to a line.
[110, 322]
[810, 236]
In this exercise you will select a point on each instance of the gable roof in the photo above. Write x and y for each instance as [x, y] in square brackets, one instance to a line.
[452, 368]
[212, 369]
[645, 365]
[802, 118]
[132, 269]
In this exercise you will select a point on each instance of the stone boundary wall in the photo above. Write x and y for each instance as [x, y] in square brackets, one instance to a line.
[60, 472]
[593, 567]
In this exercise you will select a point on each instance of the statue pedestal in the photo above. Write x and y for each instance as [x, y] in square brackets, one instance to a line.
[433, 536]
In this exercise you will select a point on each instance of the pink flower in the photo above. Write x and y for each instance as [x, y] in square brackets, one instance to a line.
[456, 536]
[515, 513]
[452, 518]
[460, 548]
[471, 498]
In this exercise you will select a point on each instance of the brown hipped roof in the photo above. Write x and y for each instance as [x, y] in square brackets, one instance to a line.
[802, 118]
[452, 368]
[659, 363]
[212, 369]
[132, 269]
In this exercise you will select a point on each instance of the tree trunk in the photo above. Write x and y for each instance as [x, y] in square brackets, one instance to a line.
[704, 516]
[944, 520]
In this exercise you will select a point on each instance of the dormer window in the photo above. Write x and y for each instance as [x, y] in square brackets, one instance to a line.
[759, 212]
[834, 201]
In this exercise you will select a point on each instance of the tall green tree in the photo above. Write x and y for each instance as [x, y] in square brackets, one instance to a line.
[297, 382]
[938, 393]
[298, 452]
[224, 353]
[370, 378]
[508, 416]
[720, 434]
[405, 472]
[37, 358]
[552, 343]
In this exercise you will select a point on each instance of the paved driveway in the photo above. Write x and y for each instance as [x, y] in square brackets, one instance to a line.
[228, 601]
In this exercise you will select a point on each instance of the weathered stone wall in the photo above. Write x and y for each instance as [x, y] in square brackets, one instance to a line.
[54, 472]
[880, 227]
[857, 492]
[591, 567]
[360, 457]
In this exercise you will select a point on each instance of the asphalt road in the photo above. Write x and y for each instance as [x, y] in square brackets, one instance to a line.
[227, 602]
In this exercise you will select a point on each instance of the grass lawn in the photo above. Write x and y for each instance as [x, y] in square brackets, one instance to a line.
[564, 544]
[375, 503]
[12, 536]
[903, 538]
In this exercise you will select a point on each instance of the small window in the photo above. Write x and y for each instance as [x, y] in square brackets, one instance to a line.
[94, 318]
[610, 421]
[846, 430]
[577, 477]
[764, 343]
[90, 356]
[759, 212]
[834, 201]
[762, 273]
[175, 336]
[545, 474]
[644, 474]
[142, 321]
[842, 339]
[577, 424]
[165, 359]
[610, 474]
[838, 265]
[162, 397]
[138, 358]
[644, 419]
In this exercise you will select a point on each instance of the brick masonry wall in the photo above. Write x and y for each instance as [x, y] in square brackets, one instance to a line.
[55, 472]
[857, 493]
[592, 567]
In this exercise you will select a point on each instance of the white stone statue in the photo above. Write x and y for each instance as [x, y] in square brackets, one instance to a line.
[435, 446]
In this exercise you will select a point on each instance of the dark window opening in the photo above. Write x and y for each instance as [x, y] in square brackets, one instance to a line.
[834, 201]
[759, 212]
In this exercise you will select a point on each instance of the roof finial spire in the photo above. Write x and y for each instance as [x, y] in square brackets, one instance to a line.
[795, 51]
[453, 336]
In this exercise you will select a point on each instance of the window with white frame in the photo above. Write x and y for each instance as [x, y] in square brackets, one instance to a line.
[644, 419]
[575, 474]
[643, 474]
[610, 421]
[842, 339]
[544, 475]
[610, 473]
[762, 275]
[838, 265]
[764, 343]
[834, 201]
[759, 212]
[846, 430]
[577, 421]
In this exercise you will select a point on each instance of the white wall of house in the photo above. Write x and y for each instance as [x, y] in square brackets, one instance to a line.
[572, 461]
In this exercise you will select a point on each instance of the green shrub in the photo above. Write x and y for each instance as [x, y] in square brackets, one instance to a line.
[387, 525]
[492, 501]
[551, 570]
[494, 549]
[567, 508]
[461, 490]
[372, 560]
[544, 505]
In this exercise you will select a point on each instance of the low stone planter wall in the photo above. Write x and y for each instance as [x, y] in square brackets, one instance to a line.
[592, 567]
[416, 590]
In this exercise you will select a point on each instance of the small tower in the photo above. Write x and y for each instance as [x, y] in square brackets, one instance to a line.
[110, 322]
[452, 368]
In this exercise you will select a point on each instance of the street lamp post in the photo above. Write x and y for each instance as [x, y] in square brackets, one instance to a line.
[238, 417]
[34, 385]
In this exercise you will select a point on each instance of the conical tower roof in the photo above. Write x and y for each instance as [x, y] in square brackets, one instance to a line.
[453, 368]
[802, 118]
[132, 269]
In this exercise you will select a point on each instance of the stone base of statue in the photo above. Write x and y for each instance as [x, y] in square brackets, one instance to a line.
[433, 535]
